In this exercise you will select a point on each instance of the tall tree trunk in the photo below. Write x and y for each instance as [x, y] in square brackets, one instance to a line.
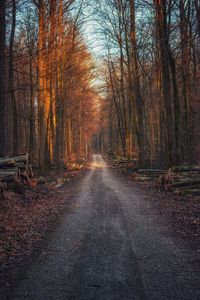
[132, 126]
[2, 75]
[32, 110]
[184, 30]
[197, 8]
[11, 81]
[111, 148]
[41, 92]
[117, 108]
[122, 89]
[137, 88]
[52, 58]
[162, 30]
[178, 153]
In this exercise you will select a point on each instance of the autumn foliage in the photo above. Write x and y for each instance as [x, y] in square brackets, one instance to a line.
[53, 106]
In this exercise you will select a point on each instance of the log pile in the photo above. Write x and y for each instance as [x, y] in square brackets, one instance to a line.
[151, 173]
[147, 174]
[126, 165]
[14, 172]
[130, 166]
[182, 180]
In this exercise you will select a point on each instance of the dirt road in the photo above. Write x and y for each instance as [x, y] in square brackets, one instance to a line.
[111, 245]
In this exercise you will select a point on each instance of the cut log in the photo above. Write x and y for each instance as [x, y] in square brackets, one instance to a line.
[160, 171]
[191, 191]
[186, 187]
[16, 187]
[15, 169]
[142, 178]
[152, 173]
[20, 158]
[181, 176]
[5, 165]
[20, 165]
[125, 162]
[9, 178]
[186, 182]
[6, 173]
[1, 191]
[41, 180]
[9, 170]
[185, 168]
[58, 185]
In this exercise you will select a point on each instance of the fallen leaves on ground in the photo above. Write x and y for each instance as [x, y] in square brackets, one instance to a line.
[182, 212]
[25, 219]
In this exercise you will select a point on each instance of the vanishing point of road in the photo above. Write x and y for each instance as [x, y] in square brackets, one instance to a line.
[112, 244]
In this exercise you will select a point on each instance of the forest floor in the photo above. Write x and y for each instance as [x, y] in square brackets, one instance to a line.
[26, 219]
[79, 227]
[183, 212]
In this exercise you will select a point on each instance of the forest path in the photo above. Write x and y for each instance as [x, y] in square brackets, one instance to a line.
[112, 244]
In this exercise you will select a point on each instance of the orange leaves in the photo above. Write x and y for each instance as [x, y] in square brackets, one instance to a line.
[65, 67]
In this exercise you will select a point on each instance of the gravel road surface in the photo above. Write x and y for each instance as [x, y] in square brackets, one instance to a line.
[112, 244]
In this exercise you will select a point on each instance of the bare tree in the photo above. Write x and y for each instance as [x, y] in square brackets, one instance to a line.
[2, 75]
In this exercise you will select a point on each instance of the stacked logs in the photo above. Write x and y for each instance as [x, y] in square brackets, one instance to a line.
[15, 172]
[182, 179]
[148, 174]
[130, 166]
[126, 165]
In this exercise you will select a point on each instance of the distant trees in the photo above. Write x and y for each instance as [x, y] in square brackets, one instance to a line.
[150, 71]
[50, 104]
[151, 79]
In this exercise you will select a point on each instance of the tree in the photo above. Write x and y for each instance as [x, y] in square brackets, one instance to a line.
[11, 80]
[139, 107]
[2, 75]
